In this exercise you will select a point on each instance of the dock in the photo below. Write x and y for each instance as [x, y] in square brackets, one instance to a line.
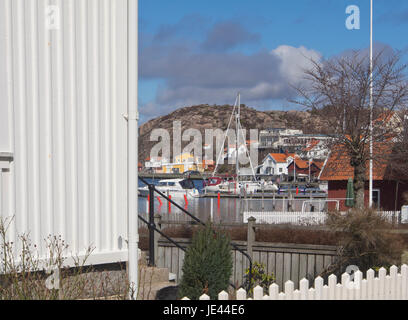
[299, 196]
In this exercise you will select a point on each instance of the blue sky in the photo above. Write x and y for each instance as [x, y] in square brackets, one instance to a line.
[197, 52]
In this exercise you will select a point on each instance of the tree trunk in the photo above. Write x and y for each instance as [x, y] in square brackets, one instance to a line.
[359, 183]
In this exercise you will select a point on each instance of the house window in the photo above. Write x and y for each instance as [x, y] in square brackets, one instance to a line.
[280, 170]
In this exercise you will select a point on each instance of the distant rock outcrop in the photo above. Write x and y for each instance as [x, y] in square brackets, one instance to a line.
[203, 117]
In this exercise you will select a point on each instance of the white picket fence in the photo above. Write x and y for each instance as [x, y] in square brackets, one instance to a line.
[391, 216]
[297, 218]
[303, 218]
[383, 287]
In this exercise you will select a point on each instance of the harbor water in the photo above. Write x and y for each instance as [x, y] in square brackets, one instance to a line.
[226, 210]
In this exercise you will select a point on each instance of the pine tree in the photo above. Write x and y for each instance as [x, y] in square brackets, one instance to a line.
[207, 265]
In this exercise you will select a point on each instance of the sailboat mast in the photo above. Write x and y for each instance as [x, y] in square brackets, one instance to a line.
[237, 136]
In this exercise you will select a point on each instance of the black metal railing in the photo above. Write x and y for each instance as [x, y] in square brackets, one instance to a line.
[163, 235]
[152, 228]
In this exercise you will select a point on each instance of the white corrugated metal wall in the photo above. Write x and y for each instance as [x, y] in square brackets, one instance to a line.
[63, 90]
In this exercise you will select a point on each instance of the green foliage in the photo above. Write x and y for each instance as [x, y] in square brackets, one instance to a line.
[259, 277]
[207, 264]
[365, 240]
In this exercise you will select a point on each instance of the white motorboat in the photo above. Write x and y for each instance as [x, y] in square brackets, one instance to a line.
[212, 185]
[176, 188]
[242, 187]
[267, 187]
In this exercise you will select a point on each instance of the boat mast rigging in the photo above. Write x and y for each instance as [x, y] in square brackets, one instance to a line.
[237, 136]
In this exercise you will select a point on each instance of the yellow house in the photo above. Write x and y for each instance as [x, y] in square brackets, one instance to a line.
[184, 162]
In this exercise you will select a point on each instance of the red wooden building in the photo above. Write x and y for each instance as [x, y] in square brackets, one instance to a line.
[387, 191]
[303, 167]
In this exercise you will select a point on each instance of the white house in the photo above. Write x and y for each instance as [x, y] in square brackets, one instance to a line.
[276, 164]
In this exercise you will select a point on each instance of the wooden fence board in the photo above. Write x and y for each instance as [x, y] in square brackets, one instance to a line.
[287, 266]
[271, 263]
[319, 264]
[302, 266]
[311, 265]
[279, 269]
[174, 261]
[288, 262]
[294, 274]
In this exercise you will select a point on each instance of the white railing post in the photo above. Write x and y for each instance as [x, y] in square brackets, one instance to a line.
[304, 288]
[364, 289]
[399, 286]
[223, 296]
[404, 282]
[325, 295]
[388, 292]
[274, 291]
[258, 293]
[370, 284]
[376, 288]
[394, 285]
[358, 277]
[204, 297]
[351, 292]
[382, 273]
[241, 294]
[311, 294]
[339, 292]
[289, 288]
[345, 281]
[332, 287]
[318, 285]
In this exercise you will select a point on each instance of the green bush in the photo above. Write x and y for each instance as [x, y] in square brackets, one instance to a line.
[207, 265]
[365, 240]
[259, 277]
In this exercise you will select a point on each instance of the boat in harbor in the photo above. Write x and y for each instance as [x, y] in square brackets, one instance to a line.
[241, 188]
[267, 187]
[176, 188]
[237, 186]
[212, 184]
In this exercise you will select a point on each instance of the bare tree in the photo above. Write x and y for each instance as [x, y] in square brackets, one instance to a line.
[339, 90]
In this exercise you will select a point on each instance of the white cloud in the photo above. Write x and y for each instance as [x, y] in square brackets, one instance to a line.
[294, 61]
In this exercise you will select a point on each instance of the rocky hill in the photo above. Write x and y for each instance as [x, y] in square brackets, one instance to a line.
[203, 117]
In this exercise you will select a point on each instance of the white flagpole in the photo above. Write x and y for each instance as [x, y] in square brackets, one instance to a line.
[370, 190]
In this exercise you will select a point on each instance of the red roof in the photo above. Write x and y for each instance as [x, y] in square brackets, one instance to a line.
[304, 164]
[282, 157]
[338, 165]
